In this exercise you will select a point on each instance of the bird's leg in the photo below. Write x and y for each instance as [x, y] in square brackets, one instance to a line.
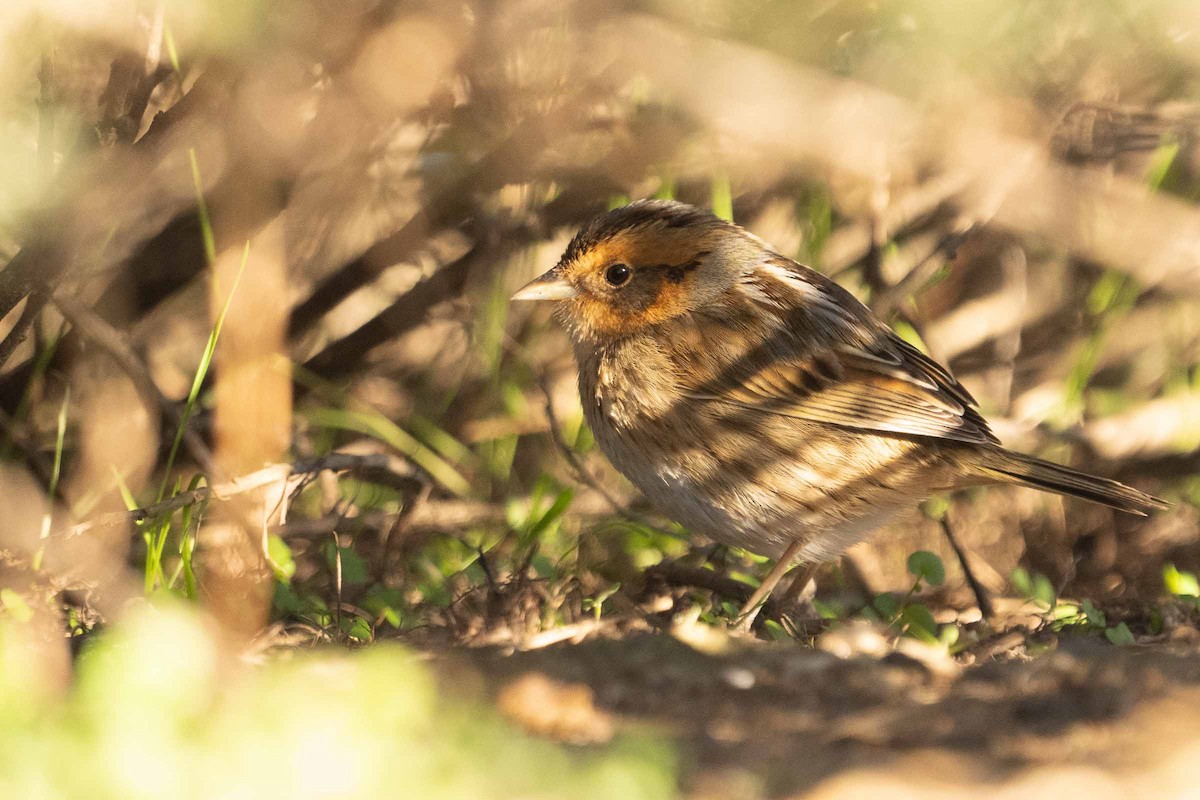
[803, 577]
[699, 556]
[750, 610]
[982, 598]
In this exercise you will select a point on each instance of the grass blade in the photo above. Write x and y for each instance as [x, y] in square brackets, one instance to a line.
[201, 372]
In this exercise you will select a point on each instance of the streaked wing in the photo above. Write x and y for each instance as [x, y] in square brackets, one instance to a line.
[843, 368]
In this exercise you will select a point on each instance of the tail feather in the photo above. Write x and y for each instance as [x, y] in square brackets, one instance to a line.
[1010, 467]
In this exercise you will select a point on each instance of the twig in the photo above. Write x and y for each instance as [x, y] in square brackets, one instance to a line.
[572, 457]
[923, 271]
[675, 574]
[447, 204]
[574, 632]
[52, 251]
[92, 326]
[400, 525]
[849, 245]
[994, 646]
[410, 309]
[1096, 133]
[438, 516]
[35, 302]
[336, 462]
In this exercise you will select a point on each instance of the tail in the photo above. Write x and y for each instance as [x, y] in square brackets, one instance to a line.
[1006, 466]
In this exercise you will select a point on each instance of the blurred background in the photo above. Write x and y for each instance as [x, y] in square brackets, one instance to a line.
[256, 350]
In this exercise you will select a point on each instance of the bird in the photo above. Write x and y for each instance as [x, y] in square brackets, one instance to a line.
[759, 403]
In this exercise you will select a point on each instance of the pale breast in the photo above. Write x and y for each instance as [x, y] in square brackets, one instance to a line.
[756, 481]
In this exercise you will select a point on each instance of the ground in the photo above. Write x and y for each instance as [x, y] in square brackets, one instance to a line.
[784, 720]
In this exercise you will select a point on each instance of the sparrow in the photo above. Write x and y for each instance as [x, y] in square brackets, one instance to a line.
[757, 402]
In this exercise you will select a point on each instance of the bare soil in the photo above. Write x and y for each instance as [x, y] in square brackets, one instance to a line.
[752, 719]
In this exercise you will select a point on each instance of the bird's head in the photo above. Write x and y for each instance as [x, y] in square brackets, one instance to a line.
[641, 265]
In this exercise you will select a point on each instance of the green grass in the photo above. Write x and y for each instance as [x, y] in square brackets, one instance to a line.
[722, 196]
[157, 532]
[55, 473]
[372, 423]
[156, 712]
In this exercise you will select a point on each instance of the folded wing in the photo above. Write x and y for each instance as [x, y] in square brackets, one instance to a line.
[829, 361]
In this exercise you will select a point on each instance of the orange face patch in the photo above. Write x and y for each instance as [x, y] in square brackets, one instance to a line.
[663, 264]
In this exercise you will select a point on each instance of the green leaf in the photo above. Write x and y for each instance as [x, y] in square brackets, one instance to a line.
[775, 631]
[542, 566]
[816, 218]
[927, 566]
[286, 601]
[1119, 635]
[282, 561]
[920, 622]
[359, 629]
[289, 603]
[1107, 292]
[666, 185]
[15, 606]
[1034, 586]
[1180, 583]
[385, 602]
[354, 568]
[936, 507]
[825, 610]
[1022, 581]
[1160, 164]
[1066, 612]
[214, 335]
[886, 605]
[1094, 615]
[910, 334]
[948, 635]
[440, 441]
[206, 230]
[559, 507]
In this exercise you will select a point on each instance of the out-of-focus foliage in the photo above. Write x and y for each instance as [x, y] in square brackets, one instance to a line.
[155, 713]
[361, 184]
[255, 262]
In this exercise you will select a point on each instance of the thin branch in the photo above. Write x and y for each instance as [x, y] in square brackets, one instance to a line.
[889, 297]
[393, 536]
[437, 516]
[35, 302]
[410, 309]
[335, 462]
[33, 457]
[446, 205]
[850, 244]
[581, 472]
[113, 342]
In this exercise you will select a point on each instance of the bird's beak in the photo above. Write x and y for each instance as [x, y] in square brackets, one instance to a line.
[551, 286]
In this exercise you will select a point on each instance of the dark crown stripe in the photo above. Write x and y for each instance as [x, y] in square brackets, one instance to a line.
[643, 213]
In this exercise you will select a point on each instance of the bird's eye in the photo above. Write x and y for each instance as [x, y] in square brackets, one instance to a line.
[617, 274]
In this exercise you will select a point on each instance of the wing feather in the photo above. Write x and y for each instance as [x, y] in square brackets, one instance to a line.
[842, 367]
